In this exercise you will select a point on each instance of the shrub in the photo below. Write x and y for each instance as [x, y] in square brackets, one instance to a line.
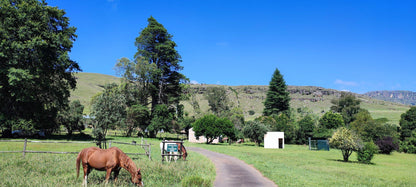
[387, 145]
[366, 153]
[195, 181]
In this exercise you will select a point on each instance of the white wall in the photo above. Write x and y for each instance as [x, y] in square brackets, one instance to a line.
[271, 140]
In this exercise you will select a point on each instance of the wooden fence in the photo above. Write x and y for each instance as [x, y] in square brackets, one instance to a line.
[145, 146]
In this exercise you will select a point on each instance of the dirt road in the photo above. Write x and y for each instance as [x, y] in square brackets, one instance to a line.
[233, 172]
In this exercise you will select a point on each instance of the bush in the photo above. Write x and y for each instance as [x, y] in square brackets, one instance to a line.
[387, 145]
[366, 154]
[195, 181]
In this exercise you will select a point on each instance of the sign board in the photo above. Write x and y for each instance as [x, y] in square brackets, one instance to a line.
[172, 148]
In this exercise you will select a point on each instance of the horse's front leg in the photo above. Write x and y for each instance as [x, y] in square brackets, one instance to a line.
[116, 172]
[107, 176]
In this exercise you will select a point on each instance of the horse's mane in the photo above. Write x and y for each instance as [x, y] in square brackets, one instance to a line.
[125, 161]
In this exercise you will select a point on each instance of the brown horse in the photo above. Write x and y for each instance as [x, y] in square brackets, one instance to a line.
[112, 159]
[183, 150]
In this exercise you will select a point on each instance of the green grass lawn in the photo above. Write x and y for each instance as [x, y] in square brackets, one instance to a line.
[297, 166]
[37, 169]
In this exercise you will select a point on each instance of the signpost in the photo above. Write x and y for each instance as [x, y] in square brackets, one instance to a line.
[171, 148]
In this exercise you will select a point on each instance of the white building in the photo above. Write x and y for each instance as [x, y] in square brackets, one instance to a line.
[201, 139]
[274, 140]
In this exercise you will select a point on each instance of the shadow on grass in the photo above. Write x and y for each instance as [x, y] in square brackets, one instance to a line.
[352, 162]
[73, 137]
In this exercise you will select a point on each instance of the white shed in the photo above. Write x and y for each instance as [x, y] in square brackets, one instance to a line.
[274, 140]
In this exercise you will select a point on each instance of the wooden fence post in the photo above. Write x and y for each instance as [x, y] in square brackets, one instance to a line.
[24, 147]
[149, 152]
[109, 144]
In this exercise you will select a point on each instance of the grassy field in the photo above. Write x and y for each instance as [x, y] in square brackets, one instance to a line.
[59, 169]
[297, 166]
[293, 166]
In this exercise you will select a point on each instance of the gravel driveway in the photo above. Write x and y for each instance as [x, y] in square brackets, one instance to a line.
[233, 172]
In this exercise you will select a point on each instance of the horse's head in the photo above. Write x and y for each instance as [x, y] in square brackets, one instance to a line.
[137, 179]
[184, 154]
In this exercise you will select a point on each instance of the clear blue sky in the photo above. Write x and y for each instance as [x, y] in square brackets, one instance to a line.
[339, 44]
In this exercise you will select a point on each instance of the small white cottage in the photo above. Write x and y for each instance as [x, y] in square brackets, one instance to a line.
[201, 139]
[274, 140]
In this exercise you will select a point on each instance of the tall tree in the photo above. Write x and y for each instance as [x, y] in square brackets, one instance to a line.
[155, 46]
[36, 73]
[347, 105]
[277, 98]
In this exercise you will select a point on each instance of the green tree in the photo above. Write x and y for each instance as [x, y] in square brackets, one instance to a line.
[370, 129]
[255, 130]
[137, 116]
[408, 123]
[347, 105]
[217, 100]
[108, 110]
[347, 141]
[408, 131]
[155, 46]
[212, 127]
[327, 124]
[71, 118]
[36, 73]
[277, 98]
[331, 120]
[306, 128]
[161, 120]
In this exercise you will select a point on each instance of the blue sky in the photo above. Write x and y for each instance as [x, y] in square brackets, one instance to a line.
[344, 44]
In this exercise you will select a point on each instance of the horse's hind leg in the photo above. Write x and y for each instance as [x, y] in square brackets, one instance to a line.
[87, 171]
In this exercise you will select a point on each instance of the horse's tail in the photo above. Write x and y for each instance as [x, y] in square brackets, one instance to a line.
[78, 162]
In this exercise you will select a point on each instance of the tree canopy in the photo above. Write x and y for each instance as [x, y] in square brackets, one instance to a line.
[155, 46]
[212, 127]
[347, 105]
[36, 73]
[255, 130]
[277, 97]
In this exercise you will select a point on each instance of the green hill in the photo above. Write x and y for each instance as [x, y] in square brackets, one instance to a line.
[89, 84]
[251, 98]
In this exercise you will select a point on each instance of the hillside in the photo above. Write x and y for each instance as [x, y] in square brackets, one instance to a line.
[316, 99]
[404, 97]
[89, 84]
[248, 98]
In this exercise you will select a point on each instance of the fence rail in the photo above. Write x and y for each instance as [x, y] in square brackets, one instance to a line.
[146, 147]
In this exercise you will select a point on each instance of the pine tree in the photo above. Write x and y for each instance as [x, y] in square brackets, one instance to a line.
[277, 98]
[155, 46]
